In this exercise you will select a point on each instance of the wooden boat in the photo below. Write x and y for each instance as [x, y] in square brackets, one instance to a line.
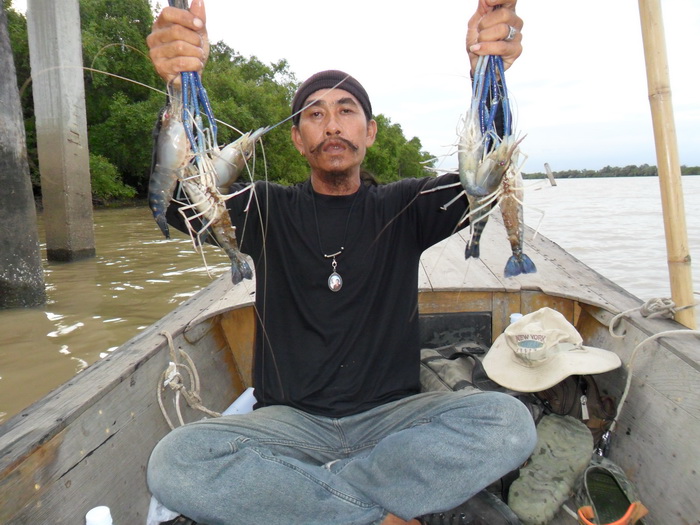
[88, 442]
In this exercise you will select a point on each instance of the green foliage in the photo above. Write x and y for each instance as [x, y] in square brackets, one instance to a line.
[126, 137]
[121, 112]
[113, 37]
[392, 157]
[17, 29]
[114, 43]
[106, 181]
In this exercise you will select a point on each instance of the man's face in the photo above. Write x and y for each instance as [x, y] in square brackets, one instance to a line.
[333, 132]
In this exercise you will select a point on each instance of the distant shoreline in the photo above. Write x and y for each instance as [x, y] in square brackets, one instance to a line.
[588, 174]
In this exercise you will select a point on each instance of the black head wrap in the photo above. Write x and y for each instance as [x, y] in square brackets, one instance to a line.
[327, 80]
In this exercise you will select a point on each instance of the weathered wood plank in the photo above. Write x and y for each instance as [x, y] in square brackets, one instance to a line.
[239, 331]
[495, 251]
[566, 276]
[559, 274]
[61, 494]
[38, 422]
[445, 268]
[454, 301]
[223, 297]
[532, 301]
[504, 304]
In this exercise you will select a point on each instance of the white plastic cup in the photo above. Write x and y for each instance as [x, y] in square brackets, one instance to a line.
[98, 516]
[243, 404]
[514, 317]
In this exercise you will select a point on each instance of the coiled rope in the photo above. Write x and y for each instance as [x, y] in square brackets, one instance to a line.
[657, 307]
[172, 377]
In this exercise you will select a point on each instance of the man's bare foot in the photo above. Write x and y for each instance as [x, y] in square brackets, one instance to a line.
[395, 520]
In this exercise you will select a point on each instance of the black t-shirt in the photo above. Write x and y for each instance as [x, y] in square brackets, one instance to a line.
[339, 353]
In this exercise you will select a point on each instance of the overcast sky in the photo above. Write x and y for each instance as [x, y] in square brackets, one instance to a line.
[579, 89]
[580, 86]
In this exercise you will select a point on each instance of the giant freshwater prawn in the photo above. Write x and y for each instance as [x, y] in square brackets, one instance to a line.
[489, 164]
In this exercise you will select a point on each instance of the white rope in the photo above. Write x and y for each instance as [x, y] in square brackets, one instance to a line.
[657, 307]
[173, 378]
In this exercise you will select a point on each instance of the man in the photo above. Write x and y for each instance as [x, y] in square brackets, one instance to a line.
[340, 434]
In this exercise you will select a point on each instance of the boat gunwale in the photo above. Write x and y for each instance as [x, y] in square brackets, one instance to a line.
[38, 423]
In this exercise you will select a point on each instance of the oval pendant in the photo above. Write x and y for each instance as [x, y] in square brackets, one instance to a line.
[335, 282]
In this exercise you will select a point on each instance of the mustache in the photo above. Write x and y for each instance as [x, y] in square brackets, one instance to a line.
[323, 143]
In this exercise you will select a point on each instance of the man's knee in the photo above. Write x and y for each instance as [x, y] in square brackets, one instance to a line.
[516, 418]
[160, 464]
[168, 465]
[501, 422]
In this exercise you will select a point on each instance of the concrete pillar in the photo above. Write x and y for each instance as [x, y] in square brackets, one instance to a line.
[21, 272]
[55, 53]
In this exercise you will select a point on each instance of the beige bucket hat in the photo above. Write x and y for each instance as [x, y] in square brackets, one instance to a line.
[540, 350]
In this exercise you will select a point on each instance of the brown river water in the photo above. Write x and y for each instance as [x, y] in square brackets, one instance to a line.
[95, 305]
[613, 225]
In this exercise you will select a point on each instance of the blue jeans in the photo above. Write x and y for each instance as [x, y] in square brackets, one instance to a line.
[278, 465]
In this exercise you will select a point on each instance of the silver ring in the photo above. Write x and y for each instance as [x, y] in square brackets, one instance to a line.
[511, 34]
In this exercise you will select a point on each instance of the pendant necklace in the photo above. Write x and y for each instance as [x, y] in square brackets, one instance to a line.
[335, 281]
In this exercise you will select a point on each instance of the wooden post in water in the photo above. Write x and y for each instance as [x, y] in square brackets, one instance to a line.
[55, 52]
[679, 263]
[549, 173]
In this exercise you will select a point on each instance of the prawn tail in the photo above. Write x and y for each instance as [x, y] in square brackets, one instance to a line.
[240, 269]
[519, 264]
